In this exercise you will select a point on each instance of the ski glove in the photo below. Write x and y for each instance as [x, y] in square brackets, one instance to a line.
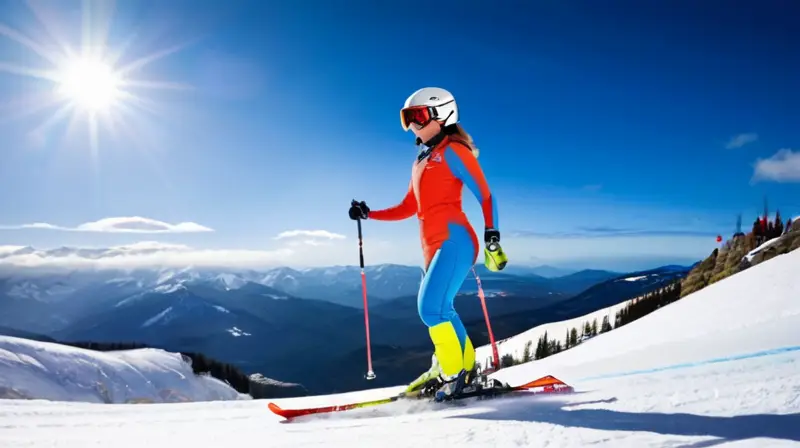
[491, 235]
[494, 257]
[358, 210]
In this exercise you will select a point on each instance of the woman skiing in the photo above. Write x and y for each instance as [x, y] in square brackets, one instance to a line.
[446, 162]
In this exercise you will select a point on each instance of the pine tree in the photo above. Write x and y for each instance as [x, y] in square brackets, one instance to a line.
[573, 337]
[594, 327]
[605, 327]
[566, 341]
[538, 354]
[778, 224]
[545, 346]
[526, 353]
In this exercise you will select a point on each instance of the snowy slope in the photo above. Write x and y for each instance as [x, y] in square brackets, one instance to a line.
[43, 370]
[717, 368]
[757, 308]
[555, 330]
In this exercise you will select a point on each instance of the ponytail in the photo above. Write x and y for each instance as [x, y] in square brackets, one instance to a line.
[457, 131]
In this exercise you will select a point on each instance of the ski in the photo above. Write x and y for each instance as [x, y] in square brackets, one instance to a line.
[544, 385]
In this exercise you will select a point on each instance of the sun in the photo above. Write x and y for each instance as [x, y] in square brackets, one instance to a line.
[91, 76]
[90, 84]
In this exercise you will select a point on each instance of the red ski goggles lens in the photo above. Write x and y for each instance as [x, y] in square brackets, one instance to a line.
[420, 115]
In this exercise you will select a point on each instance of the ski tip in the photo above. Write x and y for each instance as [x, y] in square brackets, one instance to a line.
[276, 409]
[547, 383]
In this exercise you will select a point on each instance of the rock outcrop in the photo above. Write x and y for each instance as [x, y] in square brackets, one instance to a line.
[737, 255]
[700, 275]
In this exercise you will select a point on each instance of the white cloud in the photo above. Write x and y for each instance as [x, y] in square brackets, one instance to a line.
[143, 255]
[740, 140]
[296, 238]
[324, 234]
[392, 249]
[783, 166]
[131, 224]
[6, 250]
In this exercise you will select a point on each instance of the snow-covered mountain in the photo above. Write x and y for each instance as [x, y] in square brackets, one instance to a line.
[342, 284]
[337, 284]
[255, 327]
[49, 371]
[716, 368]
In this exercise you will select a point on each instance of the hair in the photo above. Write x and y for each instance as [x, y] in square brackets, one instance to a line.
[456, 130]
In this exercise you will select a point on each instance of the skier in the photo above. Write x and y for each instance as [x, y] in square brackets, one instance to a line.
[446, 161]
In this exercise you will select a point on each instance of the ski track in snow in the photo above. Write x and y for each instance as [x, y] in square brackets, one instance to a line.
[720, 367]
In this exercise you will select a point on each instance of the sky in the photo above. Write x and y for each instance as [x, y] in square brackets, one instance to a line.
[622, 135]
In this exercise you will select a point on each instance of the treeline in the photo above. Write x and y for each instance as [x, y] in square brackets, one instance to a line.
[765, 230]
[645, 305]
[200, 363]
[634, 309]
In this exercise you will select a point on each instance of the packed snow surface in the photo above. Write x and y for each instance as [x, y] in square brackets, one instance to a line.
[43, 370]
[717, 368]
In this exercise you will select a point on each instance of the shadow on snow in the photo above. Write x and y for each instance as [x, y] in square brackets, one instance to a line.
[775, 426]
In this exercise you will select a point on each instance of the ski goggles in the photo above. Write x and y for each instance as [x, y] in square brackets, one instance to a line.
[419, 115]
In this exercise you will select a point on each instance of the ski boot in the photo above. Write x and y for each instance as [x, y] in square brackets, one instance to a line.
[425, 384]
[452, 387]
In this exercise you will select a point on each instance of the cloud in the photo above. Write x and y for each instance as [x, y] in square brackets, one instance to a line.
[783, 166]
[8, 250]
[611, 232]
[740, 140]
[148, 254]
[132, 224]
[309, 237]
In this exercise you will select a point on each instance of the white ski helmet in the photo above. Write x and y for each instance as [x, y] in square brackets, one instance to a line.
[439, 104]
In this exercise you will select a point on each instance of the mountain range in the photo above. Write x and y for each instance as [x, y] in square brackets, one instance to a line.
[286, 323]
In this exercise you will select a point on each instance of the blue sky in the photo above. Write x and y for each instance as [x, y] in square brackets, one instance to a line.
[594, 122]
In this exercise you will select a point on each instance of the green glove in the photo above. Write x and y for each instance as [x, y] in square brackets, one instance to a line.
[494, 257]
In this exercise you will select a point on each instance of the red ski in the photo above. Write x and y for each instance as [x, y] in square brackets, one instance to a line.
[545, 385]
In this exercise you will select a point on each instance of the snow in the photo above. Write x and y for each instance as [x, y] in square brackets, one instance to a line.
[236, 332]
[126, 281]
[635, 279]
[275, 297]
[230, 281]
[221, 309]
[716, 368]
[555, 331]
[169, 288]
[48, 371]
[758, 249]
[32, 291]
[162, 316]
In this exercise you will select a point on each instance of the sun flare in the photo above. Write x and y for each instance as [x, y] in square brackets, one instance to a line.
[91, 81]
[90, 84]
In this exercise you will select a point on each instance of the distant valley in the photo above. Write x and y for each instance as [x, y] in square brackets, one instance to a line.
[285, 323]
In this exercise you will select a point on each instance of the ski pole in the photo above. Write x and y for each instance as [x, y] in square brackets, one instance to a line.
[488, 324]
[370, 374]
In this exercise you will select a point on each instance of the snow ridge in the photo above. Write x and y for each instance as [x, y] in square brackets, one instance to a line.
[49, 371]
